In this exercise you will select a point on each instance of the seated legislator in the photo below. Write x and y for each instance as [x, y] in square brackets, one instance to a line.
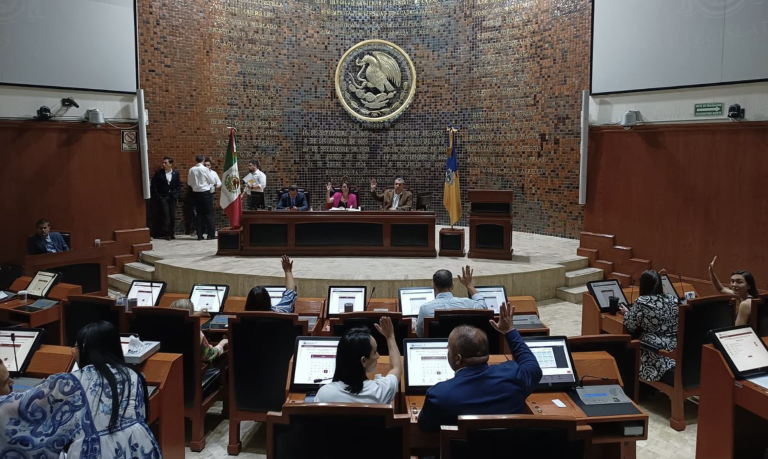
[293, 200]
[357, 355]
[654, 314]
[742, 285]
[6, 382]
[44, 240]
[208, 352]
[442, 282]
[478, 388]
[397, 199]
[98, 410]
[258, 298]
[343, 198]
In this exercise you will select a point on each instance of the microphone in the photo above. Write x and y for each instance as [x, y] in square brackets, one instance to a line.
[319, 380]
[601, 378]
[631, 290]
[218, 301]
[373, 290]
[682, 289]
[15, 359]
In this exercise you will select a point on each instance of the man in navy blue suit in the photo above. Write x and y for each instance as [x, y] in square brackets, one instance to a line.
[45, 241]
[293, 200]
[478, 388]
[166, 187]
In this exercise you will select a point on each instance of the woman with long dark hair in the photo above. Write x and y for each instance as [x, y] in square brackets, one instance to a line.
[655, 315]
[357, 355]
[258, 298]
[742, 286]
[99, 410]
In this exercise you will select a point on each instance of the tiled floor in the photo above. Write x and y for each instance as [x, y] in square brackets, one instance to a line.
[563, 318]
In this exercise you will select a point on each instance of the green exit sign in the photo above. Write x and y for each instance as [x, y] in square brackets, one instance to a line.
[710, 109]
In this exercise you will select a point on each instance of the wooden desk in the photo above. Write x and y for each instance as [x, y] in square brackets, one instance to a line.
[274, 233]
[594, 322]
[85, 267]
[166, 406]
[48, 319]
[733, 415]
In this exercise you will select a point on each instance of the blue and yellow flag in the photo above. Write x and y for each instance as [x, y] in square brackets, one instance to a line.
[451, 196]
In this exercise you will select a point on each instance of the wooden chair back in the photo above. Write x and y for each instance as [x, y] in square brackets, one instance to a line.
[524, 436]
[81, 310]
[367, 319]
[446, 320]
[308, 430]
[624, 350]
[758, 318]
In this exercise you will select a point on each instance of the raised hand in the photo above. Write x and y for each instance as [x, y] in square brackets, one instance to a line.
[466, 276]
[373, 184]
[505, 323]
[328, 187]
[287, 263]
[385, 327]
[712, 264]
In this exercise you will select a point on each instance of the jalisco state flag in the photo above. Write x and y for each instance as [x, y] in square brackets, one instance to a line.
[231, 200]
[451, 195]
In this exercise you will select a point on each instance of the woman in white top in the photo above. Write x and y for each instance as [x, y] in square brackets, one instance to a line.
[356, 356]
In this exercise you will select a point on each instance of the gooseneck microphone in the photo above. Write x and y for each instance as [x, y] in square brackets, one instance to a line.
[631, 290]
[601, 378]
[373, 290]
[15, 359]
[319, 380]
[682, 289]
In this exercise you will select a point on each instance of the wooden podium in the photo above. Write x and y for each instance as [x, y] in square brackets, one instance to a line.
[490, 224]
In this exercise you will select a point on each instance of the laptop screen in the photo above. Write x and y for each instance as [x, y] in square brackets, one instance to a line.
[554, 359]
[146, 293]
[345, 299]
[208, 297]
[426, 364]
[24, 341]
[494, 296]
[42, 283]
[275, 294]
[743, 348]
[412, 298]
[603, 290]
[314, 362]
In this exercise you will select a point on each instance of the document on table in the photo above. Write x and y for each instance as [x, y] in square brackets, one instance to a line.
[761, 380]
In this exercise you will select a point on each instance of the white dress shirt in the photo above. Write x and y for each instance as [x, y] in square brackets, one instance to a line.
[259, 177]
[200, 179]
[215, 178]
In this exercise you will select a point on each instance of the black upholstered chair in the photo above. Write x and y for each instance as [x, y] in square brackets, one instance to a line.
[624, 350]
[367, 319]
[525, 435]
[696, 319]
[758, 318]
[178, 333]
[446, 320]
[423, 200]
[8, 274]
[260, 349]
[80, 310]
[338, 431]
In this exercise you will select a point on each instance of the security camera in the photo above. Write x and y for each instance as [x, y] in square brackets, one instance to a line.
[94, 116]
[44, 113]
[630, 119]
[69, 102]
[735, 112]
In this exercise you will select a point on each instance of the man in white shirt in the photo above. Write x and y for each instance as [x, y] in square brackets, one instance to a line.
[256, 180]
[203, 185]
[442, 282]
[211, 230]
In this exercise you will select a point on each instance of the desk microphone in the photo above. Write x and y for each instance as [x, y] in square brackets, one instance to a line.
[15, 359]
[601, 378]
[682, 289]
[319, 380]
[373, 290]
[218, 301]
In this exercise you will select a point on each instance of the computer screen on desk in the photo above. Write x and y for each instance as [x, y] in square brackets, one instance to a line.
[744, 351]
[209, 297]
[493, 295]
[555, 361]
[314, 362]
[603, 290]
[146, 293]
[24, 341]
[42, 283]
[275, 293]
[426, 364]
[411, 299]
[346, 299]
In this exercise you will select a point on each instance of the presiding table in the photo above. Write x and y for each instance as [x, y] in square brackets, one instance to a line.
[332, 233]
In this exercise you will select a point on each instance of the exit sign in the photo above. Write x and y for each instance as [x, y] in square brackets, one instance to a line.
[710, 109]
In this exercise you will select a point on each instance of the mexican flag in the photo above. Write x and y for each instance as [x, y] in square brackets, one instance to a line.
[231, 200]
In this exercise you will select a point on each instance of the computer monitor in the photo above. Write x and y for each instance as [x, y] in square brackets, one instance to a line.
[209, 297]
[256, 200]
[426, 364]
[24, 341]
[745, 352]
[275, 293]
[147, 293]
[346, 299]
[314, 362]
[411, 299]
[493, 295]
[602, 290]
[555, 361]
[42, 283]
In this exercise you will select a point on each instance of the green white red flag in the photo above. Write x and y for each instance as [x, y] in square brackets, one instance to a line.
[231, 199]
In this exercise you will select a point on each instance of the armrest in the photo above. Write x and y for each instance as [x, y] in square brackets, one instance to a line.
[657, 350]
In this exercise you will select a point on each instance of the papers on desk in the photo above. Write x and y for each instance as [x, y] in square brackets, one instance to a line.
[136, 351]
[761, 381]
[343, 208]
[3, 296]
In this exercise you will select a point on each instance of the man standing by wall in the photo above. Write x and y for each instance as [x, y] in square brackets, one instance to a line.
[203, 185]
[256, 180]
[166, 186]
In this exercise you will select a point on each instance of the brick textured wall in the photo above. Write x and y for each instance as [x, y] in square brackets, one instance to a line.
[508, 74]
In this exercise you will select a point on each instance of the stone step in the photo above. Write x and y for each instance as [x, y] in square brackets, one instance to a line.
[139, 270]
[582, 276]
[149, 257]
[571, 294]
[120, 282]
[575, 263]
[112, 293]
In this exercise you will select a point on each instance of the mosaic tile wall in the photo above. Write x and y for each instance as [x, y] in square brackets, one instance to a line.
[508, 74]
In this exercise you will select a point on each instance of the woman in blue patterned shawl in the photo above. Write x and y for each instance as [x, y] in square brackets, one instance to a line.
[98, 411]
